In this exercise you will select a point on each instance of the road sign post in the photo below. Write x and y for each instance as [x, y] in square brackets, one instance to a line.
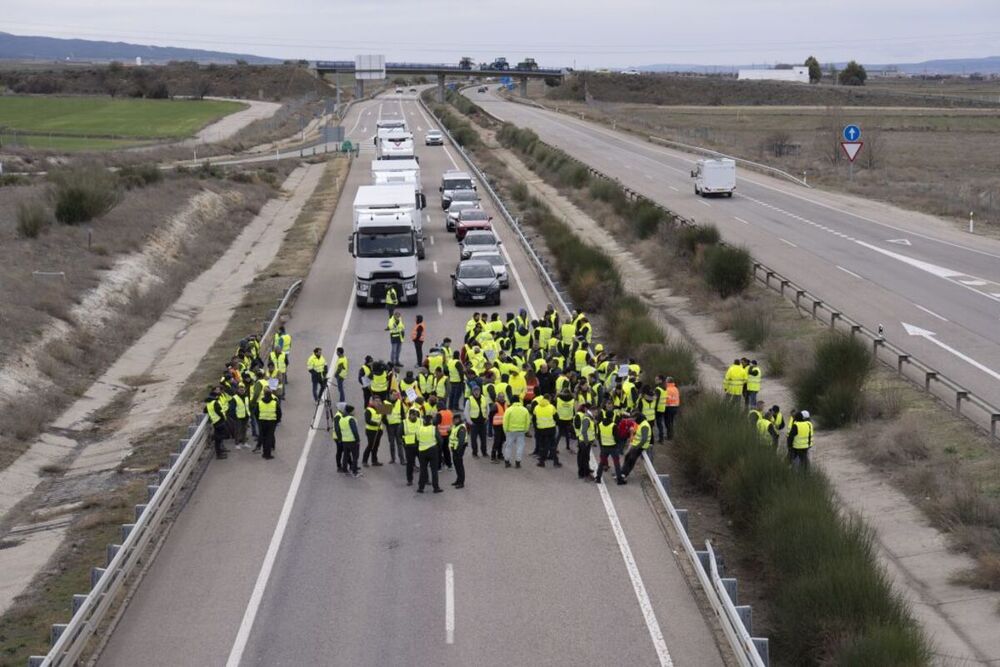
[851, 144]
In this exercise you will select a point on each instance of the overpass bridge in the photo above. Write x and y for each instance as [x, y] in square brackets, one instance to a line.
[439, 70]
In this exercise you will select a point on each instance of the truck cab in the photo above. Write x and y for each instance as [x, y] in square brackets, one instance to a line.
[386, 125]
[396, 199]
[714, 177]
[384, 247]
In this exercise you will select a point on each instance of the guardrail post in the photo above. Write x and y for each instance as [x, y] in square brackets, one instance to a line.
[834, 316]
[173, 458]
[994, 418]
[683, 516]
[95, 575]
[703, 559]
[36, 660]
[729, 583]
[798, 294]
[151, 491]
[56, 632]
[875, 343]
[161, 475]
[763, 649]
[782, 285]
[181, 444]
[900, 360]
[746, 616]
[665, 482]
[192, 430]
[960, 394]
[127, 530]
[816, 304]
[112, 551]
[78, 599]
[855, 328]
[139, 509]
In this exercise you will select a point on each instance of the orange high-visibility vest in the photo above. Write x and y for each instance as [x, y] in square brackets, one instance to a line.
[446, 421]
[498, 417]
[673, 396]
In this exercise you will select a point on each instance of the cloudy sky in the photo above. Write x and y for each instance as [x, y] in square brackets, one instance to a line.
[587, 33]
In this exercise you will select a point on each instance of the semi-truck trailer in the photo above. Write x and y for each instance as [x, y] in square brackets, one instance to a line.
[396, 172]
[395, 145]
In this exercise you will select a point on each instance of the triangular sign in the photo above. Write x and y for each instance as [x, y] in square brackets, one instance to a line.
[852, 148]
[900, 241]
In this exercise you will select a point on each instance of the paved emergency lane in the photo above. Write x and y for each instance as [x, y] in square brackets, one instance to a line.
[876, 263]
[359, 574]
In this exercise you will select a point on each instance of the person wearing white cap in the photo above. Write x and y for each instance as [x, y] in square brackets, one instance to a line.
[800, 440]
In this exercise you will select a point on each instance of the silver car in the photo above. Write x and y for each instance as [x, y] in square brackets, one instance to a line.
[479, 240]
[498, 263]
[434, 138]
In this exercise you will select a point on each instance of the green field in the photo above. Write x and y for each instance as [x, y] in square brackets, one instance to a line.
[106, 118]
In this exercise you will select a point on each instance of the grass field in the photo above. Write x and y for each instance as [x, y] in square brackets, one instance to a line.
[64, 143]
[107, 118]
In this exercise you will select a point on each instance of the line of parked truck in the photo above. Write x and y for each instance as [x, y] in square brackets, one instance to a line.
[388, 238]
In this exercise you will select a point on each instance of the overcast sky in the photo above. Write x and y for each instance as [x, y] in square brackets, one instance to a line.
[584, 33]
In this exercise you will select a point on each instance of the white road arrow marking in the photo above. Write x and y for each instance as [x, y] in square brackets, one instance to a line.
[930, 336]
[899, 241]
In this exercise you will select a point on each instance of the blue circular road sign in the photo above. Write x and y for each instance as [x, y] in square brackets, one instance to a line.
[852, 132]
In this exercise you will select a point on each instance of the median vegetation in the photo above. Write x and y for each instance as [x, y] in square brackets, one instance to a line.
[832, 603]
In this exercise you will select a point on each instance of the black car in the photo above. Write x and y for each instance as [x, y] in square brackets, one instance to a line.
[475, 281]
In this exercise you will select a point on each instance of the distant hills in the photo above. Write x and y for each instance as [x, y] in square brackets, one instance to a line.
[989, 65]
[25, 47]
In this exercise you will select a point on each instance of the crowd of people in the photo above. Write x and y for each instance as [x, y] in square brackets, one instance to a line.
[248, 396]
[505, 381]
[741, 385]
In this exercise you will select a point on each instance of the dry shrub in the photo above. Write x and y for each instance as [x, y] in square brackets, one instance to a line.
[902, 442]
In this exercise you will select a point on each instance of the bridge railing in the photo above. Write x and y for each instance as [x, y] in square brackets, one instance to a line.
[90, 611]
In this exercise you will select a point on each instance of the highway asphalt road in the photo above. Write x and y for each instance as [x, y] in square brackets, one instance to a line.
[288, 562]
[876, 263]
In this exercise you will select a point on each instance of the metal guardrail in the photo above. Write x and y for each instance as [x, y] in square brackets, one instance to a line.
[514, 223]
[734, 620]
[907, 366]
[349, 65]
[89, 611]
[757, 165]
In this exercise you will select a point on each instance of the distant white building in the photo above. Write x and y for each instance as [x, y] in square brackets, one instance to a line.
[796, 74]
[138, 61]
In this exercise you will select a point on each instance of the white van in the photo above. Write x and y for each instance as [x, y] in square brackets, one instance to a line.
[714, 177]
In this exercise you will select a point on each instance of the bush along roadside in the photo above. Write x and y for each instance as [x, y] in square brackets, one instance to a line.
[832, 603]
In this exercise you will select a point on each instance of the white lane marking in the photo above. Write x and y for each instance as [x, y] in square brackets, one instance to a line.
[788, 242]
[648, 613]
[648, 177]
[420, 128]
[976, 282]
[741, 220]
[704, 203]
[930, 312]
[449, 603]
[358, 122]
[932, 337]
[633, 571]
[849, 272]
[673, 188]
[432, 239]
[253, 606]
[440, 307]
[435, 265]
[933, 269]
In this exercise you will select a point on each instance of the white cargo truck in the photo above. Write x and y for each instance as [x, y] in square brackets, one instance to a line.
[396, 172]
[714, 177]
[395, 145]
[384, 247]
[402, 200]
